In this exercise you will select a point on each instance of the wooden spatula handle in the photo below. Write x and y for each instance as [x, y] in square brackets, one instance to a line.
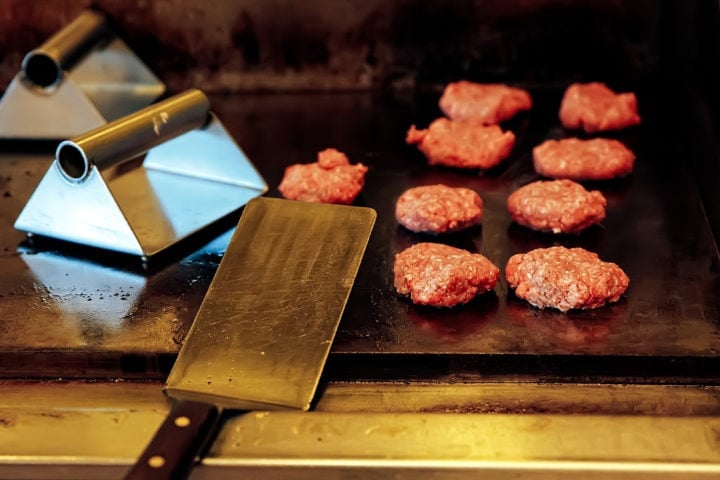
[172, 451]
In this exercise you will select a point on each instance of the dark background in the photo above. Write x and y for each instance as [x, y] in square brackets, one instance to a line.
[225, 45]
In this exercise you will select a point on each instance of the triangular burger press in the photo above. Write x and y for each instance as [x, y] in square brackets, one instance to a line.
[82, 77]
[102, 192]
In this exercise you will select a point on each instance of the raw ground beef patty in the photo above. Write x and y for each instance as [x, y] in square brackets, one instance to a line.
[596, 159]
[438, 209]
[329, 180]
[595, 108]
[558, 206]
[488, 103]
[442, 276]
[462, 144]
[565, 278]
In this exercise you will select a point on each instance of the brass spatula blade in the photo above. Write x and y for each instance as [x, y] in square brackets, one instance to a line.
[266, 325]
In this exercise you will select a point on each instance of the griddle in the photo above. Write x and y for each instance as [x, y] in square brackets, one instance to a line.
[666, 328]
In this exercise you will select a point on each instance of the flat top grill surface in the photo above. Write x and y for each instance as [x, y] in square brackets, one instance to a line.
[73, 312]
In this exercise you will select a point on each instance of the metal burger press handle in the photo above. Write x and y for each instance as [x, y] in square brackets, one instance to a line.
[131, 136]
[80, 78]
[44, 65]
[143, 182]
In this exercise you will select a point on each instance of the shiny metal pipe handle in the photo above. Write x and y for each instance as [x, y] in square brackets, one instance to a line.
[132, 135]
[44, 65]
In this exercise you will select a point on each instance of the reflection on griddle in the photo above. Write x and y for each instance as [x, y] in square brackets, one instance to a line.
[95, 296]
[570, 329]
[450, 325]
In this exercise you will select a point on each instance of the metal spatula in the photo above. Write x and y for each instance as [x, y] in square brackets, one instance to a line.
[263, 332]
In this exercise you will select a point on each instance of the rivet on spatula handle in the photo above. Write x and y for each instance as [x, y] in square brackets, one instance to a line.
[173, 449]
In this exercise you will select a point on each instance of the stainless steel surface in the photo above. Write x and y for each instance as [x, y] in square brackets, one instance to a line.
[266, 325]
[491, 397]
[44, 65]
[217, 161]
[94, 431]
[116, 81]
[461, 445]
[143, 209]
[81, 78]
[132, 135]
[54, 272]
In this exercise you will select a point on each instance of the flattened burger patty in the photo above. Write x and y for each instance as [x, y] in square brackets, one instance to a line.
[595, 108]
[488, 103]
[442, 276]
[565, 278]
[329, 180]
[462, 144]
[438, 209]
[596, 159]
[558, 206]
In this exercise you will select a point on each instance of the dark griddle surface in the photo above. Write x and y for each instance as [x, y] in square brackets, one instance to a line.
[655, 230]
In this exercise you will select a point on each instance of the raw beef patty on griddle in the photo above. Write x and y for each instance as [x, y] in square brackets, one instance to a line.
[329, 180]
[576, 159]
[439, 275]
[558, 206]
[438, 209]
[488, 103]
[595, 108]
[462, 143]
[565, 278]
